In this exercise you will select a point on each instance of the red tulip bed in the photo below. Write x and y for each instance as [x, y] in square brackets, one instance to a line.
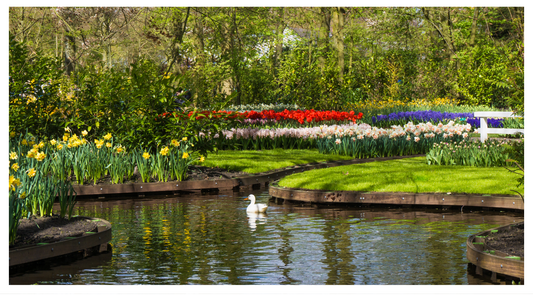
[300, 116]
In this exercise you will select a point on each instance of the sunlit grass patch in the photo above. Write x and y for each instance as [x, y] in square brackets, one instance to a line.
[258, 161]
[407, 175]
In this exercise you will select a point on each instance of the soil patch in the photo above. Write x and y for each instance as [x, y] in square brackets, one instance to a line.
[510, 241]
[50, 229]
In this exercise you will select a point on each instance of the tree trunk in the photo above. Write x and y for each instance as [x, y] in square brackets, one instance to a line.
[69, 53]
[200, 60]
[337, 26]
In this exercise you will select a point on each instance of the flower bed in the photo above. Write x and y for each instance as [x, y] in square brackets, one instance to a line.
[290, 117]
[360, 141]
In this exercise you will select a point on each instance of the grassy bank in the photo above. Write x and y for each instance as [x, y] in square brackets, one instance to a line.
[251, 161]
[406, 175]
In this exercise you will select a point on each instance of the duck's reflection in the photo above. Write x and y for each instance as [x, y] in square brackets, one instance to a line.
[256, 218]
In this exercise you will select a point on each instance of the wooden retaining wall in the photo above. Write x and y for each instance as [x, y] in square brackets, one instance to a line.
[68, 245]
[398, 198]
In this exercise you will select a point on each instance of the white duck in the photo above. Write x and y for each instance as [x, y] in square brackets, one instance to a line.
[253, 207]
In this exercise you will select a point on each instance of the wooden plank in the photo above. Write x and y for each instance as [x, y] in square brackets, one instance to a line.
[397, 198]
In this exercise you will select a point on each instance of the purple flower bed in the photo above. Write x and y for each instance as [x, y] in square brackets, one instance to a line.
[400, 118]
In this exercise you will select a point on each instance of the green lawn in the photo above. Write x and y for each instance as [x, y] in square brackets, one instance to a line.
[406, 175]
[265, 160]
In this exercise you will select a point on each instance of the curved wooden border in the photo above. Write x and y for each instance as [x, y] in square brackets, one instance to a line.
[65, 246]
[222, 184]
[497, 263]
[397, 198]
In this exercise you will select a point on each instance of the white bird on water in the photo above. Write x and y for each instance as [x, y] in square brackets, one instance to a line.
[253, 207]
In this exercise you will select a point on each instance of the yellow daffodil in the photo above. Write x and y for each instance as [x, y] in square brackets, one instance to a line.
[108, 145]
[84, 133]
[32, 172]
[41, 144]
[12, 134]
[40, 156]
[184, 139]
[31, 143]
[69, 145]
[32, 153]
[108, 136]
[15, 166]
[175, 142]
[23, 195]
[185, 155]
[13, 155]
[146, 155]
[13, 183]
[67, 129]
[53, 142]
[59, 147]
[120, 149]
[99, 145]
[202, 159]
[65, 137]
[164, 151]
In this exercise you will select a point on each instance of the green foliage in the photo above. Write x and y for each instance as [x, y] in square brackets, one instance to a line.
[34, 83]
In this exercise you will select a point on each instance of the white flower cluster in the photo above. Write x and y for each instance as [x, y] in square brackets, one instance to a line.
[364, 130]
[355, 131]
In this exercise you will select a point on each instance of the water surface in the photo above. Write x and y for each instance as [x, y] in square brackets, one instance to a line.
[210, 239]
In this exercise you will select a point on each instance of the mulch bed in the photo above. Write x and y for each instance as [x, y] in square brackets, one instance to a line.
[510, 241]
[35, 230]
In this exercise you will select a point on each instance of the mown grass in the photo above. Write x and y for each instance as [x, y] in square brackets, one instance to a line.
[407, 175]
[265, 160]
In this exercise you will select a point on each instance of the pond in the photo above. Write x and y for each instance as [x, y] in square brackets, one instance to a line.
[210, 239]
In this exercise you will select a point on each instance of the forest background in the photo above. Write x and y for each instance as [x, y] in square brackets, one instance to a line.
[97, 67]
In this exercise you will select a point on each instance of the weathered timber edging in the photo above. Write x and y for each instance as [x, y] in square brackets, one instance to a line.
[397, 198]
[65, 246]
[218, 184]
[493, 261]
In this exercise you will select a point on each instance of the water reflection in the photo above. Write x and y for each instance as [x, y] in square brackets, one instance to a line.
[212, 240]
[256, 218]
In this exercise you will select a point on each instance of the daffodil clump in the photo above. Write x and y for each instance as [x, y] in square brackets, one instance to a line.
[41, 170]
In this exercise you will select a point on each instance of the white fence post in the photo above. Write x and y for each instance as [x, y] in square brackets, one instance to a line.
[484, 130]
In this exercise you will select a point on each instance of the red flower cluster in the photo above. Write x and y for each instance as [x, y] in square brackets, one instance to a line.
[304, 116]
[297, 115]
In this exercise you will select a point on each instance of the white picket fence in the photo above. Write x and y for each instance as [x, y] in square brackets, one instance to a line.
[484, 130]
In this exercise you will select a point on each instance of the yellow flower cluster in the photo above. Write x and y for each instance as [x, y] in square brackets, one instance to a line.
[13, 155]
[99, 143]
[31, 172]
[146, 155]
[13, 183]
[390, 103]
[175, 142]
[164, 151]
[15, 166]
